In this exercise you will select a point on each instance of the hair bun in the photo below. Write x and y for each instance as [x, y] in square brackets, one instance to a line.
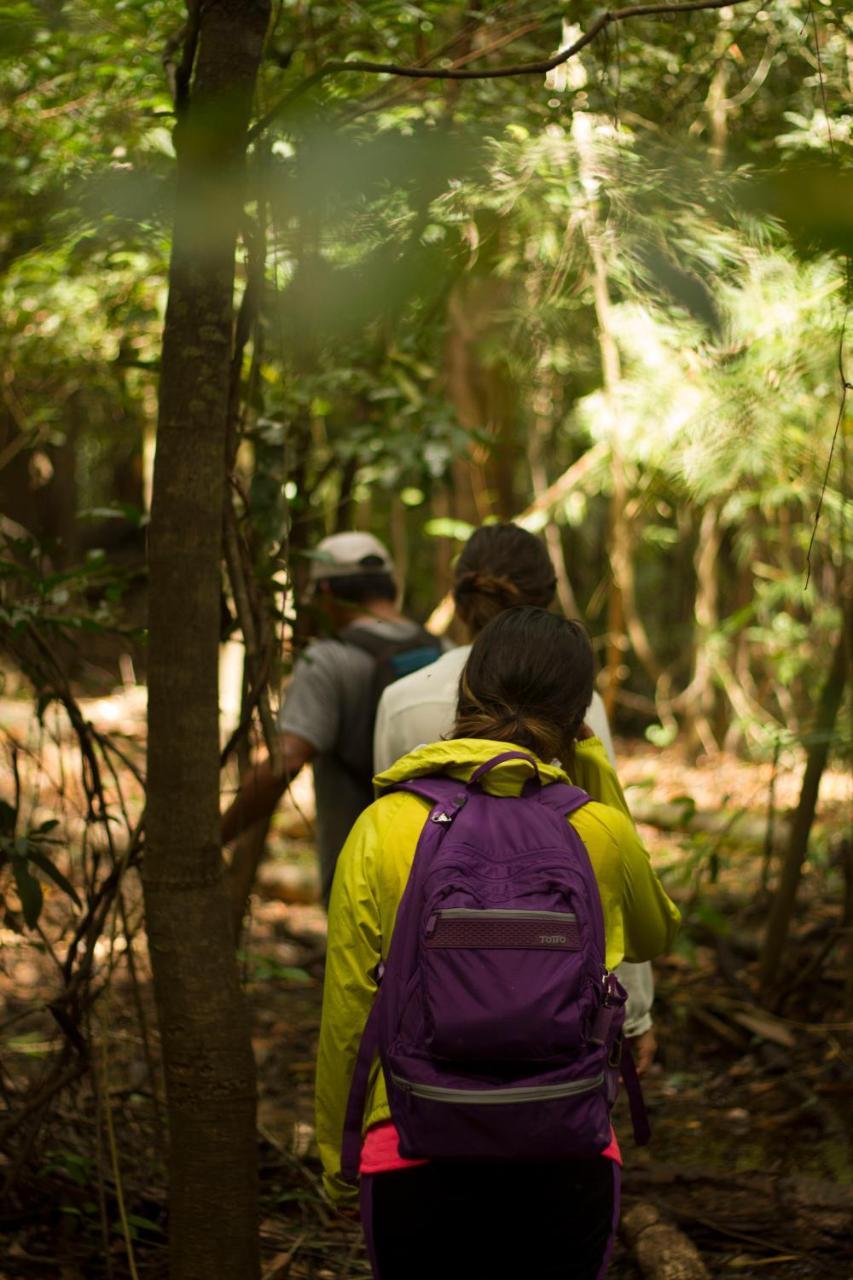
[467, 584]
[489, 584]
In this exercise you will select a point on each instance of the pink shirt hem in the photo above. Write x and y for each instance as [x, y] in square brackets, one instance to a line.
[380, 1152]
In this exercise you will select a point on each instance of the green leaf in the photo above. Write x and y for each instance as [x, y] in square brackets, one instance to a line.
[43, 861]
[29, 891]
[445, 527]
[290, 974]
[660, 735]
[46, 826]
[136, 1220]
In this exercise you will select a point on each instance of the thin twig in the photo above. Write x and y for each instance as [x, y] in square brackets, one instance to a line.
[111, 1138]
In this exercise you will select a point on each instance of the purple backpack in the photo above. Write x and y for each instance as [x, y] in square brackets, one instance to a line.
[497, 1024]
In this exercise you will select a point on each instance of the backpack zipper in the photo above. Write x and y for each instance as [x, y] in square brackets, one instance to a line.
[504, 913]
[492, 1097]
[495, 913]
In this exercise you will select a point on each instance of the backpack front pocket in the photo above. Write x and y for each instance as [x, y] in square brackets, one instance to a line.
[555, 1118]
[503, 984]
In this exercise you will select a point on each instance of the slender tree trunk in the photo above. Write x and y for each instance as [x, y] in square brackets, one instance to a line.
[614, 656]
[399, 526]
[847, 867]
[621, 549]
[717, 103]
[701, 709]
[537, 446]
[781, 913]
[210, 1074]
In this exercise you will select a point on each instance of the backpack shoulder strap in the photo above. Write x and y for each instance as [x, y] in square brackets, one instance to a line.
[447, 798]
[634, 1093]
[364, 638]
[445, 795]
[371, 642]
[562, 798]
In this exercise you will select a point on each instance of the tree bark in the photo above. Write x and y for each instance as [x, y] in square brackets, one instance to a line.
[701, 708]
[538, 440]
[817, 755]
[717, 103]
[661, 1250]
[209, 1069]
[621, 548]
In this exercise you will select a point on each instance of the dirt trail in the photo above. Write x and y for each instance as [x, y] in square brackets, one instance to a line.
[752, 1111]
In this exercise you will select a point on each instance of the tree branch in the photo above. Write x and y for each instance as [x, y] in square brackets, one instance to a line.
[601, 23]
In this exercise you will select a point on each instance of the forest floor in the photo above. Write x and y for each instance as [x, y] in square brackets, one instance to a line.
[751, 1108]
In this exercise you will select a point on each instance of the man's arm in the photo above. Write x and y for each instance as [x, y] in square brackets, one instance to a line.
[263, 784]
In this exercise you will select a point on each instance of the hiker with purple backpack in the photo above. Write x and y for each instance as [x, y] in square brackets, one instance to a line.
[501, 566]
[479, 909]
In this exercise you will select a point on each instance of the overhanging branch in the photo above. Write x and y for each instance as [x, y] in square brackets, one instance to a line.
[601, 23]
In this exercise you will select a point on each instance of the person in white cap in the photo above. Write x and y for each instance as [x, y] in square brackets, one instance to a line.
[328, 714]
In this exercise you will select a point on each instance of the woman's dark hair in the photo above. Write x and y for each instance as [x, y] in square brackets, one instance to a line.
[501, 565]
[528, 680]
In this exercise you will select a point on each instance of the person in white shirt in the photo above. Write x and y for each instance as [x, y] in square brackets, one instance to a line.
[500, 566]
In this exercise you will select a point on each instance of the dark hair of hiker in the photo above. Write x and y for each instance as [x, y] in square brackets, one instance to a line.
[361, 588]
[528, 680]
[501, 565]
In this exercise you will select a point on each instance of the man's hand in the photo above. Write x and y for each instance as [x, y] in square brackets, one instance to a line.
[644, 1047]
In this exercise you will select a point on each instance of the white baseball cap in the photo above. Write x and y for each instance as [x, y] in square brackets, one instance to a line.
[343, 555]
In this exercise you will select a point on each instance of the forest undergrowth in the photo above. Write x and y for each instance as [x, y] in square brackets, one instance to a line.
[751, 1107]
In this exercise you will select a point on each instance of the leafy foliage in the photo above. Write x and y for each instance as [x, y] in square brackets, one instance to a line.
[418, 306]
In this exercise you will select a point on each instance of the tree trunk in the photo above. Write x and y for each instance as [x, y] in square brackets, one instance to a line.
[621, 548]
[468, 494]
[538, 441]
[701, 708]
[817, 754]
[717, 103]
[210, 1074]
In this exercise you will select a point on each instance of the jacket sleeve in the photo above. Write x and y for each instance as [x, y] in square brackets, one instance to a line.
[352, 956]
[594, 772]
[650, 919]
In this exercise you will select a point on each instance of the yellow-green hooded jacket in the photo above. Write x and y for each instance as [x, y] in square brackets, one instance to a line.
[640, 922]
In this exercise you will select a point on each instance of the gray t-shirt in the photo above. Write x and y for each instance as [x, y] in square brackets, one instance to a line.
[330, 703]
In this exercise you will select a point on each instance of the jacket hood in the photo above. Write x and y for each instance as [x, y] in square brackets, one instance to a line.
[460, 757]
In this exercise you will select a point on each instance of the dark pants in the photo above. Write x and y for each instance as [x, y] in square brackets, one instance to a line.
[497, 1221]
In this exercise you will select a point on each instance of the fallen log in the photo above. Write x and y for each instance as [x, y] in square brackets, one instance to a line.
[661, 1251]
[796, 1214]
[741, 825]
